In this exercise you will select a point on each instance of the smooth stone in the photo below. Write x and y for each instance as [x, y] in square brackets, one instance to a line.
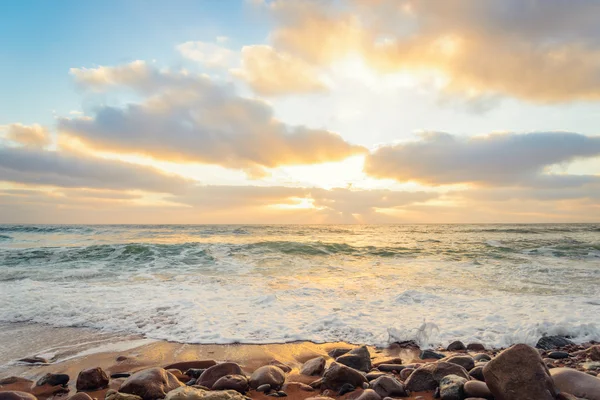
[390, 367]
[214, 373]
[92, 379]
[451, 387]
[80, 396]
[282, 366]
[518, 373]
[394, 360]
[338, 374]
[552, 342]
[53, 380]
[239, 383]
[16, 395]
[291, 386]
[481, 357]
[358, 358]
[464, 361]
[270, 374]
[191, 393]
[429, 354]
[114, 395]
[475, 347]
[368, 394]
[456, 346]
[558, 355]
[120, 375]
[387, 386]
[335, 353]
[34, 360]
[477, 389]
[365, 386]
[15, 379]
[194, 372]
[264, 388]
[195, 364]
[374, 375]
[576, 383]
[314, 366]
[405, 373]
[428, 376]
[346, 388]
[477, 373]
[151, 383]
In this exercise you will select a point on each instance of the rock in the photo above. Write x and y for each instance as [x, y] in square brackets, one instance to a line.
[477, 389]
[567, 396]
[464, 361]
[481, 357]
[16, 395]
[477, 373]
[451, 387]
[394, 360]
[374, 375]
[34, 360]
[346, 388]
[388, 386]
[358, 358]
[196, 364]
[475, 347]
[518, 373]
[369, 394]
[194, 372]
[338, 374]
[456, 346]
[151, 383]
[15, 379]
[270, 374]
[114, 395]
[576, 383]
[239, 383]
[214, 373]
[552, 342]
[365, 385]
[91, 379]
[80, 396]
[285, 368]
[264, 388]
[120, 375]
[428, 376]
[315, 366]
[430, 354]
[191, 393]
[319, 398]
[53, 380]
[291, 386]
[122, 358]
[594, 352]
[390, 367]
[335, 353]
[592, 366]
[405, 373]
[558, 355]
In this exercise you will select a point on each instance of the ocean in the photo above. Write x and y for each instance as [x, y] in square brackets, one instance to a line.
[493, 284]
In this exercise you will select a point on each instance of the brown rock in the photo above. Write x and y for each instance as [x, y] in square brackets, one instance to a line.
[456, 346]
[53, 380]
[518, 373]
[16, 395]
[395, 360]
[315, 366]
[335, 353]
[428, 376]
[386, 386]
[405, 373]
[91, 379]
[477, 389]
[214, 373]
[285, 368]
[114, 395]
[477, 373]
[475, 347]
[338, 374]
[80, 396]
[239, 383]
[15, 379]
[192, 393]
[268, 374]
[369, 394]
[150, 384]
[594, 352]
[195, 364]
[464, 361]
[291, 386]
[358, 358]
[390, 367]
[576, 383]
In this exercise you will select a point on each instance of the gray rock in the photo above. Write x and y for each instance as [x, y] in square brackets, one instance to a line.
[335, 353]
[428, 376]
[34, 360]
[338, 374]
[558, 355]
[315, 366]
[552, 342]
[264, 388]
[358, 358]
[270, 374]
[576, 383]
[346, 388]
[429, 354]
[482, 357]
[477, 373]
[456, 346]
[451, 387]
[194, 372]
[388, 386]
[53, 380]
[216, 372]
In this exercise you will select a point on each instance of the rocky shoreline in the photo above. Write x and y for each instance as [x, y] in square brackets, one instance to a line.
[555, 369]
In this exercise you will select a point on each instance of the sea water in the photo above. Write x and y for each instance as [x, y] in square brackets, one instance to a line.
[493, 284]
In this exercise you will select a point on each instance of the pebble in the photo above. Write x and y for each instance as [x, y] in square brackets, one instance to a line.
[558, 355]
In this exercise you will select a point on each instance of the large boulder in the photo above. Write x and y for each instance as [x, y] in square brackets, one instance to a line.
[338, 374]
[552, 342]
[150, 384]
[519, 373]
[451, 387]
[315, 366]
[387, 386]
[191, 393]
[576, 383]
[16, 395]
[464, 361]
[358, 358]
[268, 374]
[91, 379]
[214, 373]
[428, 376]
[239, 383]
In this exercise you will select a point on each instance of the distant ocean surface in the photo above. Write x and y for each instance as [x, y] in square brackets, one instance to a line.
[495, 284]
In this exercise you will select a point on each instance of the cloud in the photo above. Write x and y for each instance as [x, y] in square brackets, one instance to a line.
[209, 54]
[500, 159]
[540, 51]
[190, 118]
[271, 73]
[27, 135]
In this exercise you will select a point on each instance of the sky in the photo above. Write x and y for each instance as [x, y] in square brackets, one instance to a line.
[304, 111]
